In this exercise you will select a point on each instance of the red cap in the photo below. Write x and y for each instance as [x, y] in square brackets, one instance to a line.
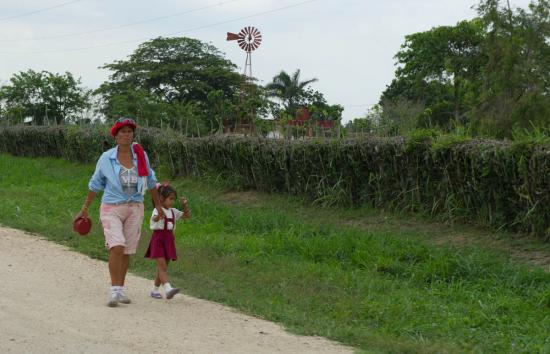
[82, 225]
[121, 123]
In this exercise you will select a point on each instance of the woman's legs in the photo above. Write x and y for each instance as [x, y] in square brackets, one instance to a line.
[122, 229]
[117, 268]
[125, 265]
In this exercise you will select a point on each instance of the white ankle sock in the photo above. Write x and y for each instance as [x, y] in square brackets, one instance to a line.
[167, 287]
[155, 289]
[115, 288]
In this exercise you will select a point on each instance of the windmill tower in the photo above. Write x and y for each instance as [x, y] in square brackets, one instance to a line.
[249, 39]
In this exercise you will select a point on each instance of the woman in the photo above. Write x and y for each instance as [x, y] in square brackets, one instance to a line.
[123, 173]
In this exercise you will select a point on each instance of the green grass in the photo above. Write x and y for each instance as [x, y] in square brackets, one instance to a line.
[359, 276]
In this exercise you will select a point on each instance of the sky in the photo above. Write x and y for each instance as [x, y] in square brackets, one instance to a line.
[348, 45]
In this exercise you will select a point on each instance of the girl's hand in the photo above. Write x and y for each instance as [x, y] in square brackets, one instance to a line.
[184, 202]
[186, 213]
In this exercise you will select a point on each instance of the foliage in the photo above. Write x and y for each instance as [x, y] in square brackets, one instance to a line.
[289, 89]
[361, 125]
[516, 78]
[491, 72]
[391, 118]
[318, 107]
[488, 182]
[46, 97]
[440, 69]
[169, 80]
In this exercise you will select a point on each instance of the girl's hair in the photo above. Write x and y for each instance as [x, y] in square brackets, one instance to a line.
[165, 190]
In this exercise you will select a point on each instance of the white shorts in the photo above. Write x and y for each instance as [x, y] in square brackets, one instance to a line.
[122, 225]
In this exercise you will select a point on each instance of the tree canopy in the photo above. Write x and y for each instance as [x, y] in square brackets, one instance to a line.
[165, 75]
[44, 96]
[439, 68]
[515, 89]
[289, 89]
[492, 73]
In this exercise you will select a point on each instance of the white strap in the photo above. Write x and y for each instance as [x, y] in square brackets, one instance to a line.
[143, 185]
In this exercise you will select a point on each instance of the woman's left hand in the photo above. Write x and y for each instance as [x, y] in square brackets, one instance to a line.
[160, 212]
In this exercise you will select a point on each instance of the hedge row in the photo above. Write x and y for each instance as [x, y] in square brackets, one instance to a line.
[488, 182]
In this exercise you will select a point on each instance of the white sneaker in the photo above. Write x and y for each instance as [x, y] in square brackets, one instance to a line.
[122, 297]
[170, 293]
[113, 300]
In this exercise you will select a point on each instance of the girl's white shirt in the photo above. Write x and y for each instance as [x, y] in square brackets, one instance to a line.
[159, 225]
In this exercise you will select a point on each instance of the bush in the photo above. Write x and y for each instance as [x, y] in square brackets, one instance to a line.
[494, 183]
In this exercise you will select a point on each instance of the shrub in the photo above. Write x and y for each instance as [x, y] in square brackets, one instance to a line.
[494, 183]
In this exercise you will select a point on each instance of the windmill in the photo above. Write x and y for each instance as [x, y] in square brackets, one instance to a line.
[249, 39]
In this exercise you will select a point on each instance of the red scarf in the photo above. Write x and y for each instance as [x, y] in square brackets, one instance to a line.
[141, 162]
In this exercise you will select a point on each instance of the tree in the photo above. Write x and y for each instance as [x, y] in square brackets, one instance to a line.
[516, 77]
[249, 106]
[288, 89]
[45, 97]
[167, 72]
[360, 125]
[319, 108]
[440, 69]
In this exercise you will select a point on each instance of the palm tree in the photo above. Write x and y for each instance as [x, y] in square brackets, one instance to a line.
[288, 89]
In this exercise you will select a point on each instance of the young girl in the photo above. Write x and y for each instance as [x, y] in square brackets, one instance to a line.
[162, 247]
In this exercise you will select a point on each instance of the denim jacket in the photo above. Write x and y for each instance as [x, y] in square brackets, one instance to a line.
[106, 178]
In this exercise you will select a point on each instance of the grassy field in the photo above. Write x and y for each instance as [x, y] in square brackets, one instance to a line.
[383, 283]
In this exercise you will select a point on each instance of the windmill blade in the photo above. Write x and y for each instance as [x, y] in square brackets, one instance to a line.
[232, 36]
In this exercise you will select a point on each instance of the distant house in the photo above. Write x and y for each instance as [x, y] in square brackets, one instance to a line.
[303, 115]
[28, 120]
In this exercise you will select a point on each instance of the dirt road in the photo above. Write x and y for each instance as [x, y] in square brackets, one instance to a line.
[53, 301]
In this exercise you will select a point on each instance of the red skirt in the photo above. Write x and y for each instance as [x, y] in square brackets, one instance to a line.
[162, 245]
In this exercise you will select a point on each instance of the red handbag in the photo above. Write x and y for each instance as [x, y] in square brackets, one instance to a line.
[82, 225]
